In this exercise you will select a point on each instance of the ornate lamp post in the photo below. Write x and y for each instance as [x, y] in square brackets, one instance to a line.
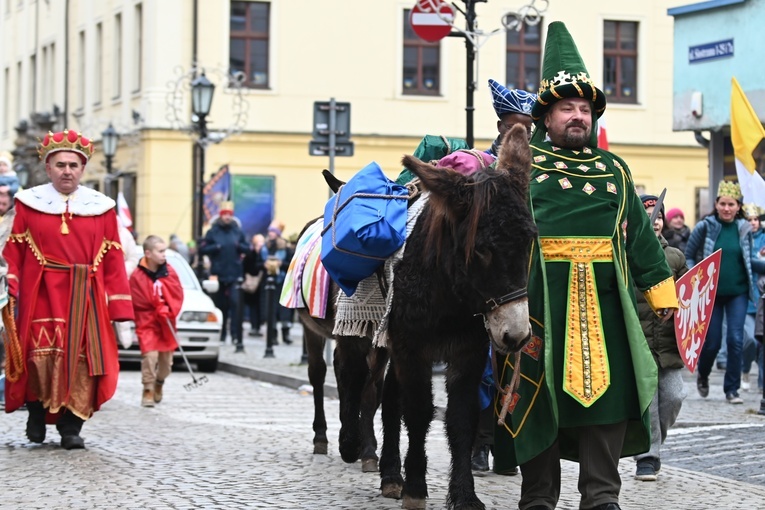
[109, 139]
[202, 91]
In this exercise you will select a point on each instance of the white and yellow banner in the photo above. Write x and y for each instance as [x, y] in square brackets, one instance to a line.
[746, 134]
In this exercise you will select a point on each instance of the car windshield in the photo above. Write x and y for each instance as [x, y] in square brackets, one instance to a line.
[185, 273]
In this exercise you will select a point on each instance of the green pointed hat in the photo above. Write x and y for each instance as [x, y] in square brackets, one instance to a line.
[564, 74]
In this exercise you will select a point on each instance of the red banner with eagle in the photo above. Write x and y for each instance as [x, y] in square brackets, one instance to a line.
[696, 292]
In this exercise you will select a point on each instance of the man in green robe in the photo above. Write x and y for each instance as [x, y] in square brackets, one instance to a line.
[587, 375]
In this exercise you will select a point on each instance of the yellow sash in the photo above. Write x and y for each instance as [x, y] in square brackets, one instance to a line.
[586, 375]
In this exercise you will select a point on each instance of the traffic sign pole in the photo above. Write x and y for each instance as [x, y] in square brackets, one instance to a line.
[332, 137]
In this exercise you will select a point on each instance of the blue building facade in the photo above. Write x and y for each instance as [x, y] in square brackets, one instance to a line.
[715, 41]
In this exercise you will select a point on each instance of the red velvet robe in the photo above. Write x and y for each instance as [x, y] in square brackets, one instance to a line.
[149, 297]
[69, 287]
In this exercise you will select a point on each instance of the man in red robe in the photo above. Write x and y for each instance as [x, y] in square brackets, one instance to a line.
[66, 271]
[157, 299]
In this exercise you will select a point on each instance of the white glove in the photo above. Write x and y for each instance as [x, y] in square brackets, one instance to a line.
[124, 334]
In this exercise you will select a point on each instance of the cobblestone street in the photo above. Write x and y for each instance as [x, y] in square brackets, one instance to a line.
[239, 443]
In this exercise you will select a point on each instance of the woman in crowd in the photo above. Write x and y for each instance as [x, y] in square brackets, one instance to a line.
[726, 229]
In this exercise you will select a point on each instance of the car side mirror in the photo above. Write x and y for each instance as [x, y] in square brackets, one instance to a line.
[211, 286]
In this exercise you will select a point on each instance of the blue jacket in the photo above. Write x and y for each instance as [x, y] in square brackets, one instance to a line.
[701, 244]
[758, 242]
[225, 245]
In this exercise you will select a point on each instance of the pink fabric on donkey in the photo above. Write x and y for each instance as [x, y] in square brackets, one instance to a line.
[466, 161]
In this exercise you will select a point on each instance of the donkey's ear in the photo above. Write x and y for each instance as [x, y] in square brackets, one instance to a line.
[333, 182]
[6, 224]
[515, 156]
[439, 181]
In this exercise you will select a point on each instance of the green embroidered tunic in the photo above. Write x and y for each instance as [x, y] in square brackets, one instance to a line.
[588, 362]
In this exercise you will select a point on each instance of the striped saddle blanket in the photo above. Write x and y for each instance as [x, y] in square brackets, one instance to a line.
[307, 282]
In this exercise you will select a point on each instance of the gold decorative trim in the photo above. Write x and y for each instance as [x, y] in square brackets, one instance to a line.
[578, 89]
[560, 156]
[27, 237]
[662, 295]
[119, 297]
[106, 245]
[50, 319]
[586, 374]
[588, 176]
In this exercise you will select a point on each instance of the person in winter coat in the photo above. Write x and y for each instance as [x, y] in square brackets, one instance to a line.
[225, 245]
[676, 232]
[753, 350]
[727, 230]
[253, 266]
[277, 256]
[157, 299]
[660, 335]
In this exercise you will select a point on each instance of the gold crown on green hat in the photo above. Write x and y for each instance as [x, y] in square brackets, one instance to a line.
[751, 210]
[729, 189]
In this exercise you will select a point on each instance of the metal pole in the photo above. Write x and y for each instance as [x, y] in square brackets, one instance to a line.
[270, 290]
[332, 137]
[304, 355]
[239, 340]
[110, 191]
[332, 142]
[470, 76]
[201, 143]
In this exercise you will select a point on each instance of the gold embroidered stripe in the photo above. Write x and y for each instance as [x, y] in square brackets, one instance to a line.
[586, 374]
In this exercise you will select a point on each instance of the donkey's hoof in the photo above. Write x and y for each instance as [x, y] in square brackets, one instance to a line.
[320, 448]
[410, 503]
[369, 465]
[391, 490]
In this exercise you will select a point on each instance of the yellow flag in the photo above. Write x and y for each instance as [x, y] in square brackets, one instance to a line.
[746, 131]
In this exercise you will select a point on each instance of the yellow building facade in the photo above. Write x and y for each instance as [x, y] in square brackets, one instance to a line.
[122, 62]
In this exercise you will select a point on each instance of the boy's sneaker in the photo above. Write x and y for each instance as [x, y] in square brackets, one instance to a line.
[158, 385]
[702, 384]
[647, 470]
[745, 385]
[147, 400]
[733, 398]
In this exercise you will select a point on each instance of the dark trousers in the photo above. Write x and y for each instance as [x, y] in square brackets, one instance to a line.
[733, 310]
[485, 434]
[600, 447]
[68, 424]
[227, 299]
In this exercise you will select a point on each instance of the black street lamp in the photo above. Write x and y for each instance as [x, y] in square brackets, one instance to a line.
[109, 139]
[202, 91]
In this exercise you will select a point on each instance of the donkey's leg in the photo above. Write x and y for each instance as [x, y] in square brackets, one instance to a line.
[351, 373]
[463, 377]
[370, 401]
[391, 482]
[317, 373]
[415, 374]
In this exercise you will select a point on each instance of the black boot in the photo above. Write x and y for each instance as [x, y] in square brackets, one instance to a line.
[286, 335]
[480, 460]
[69, 427]
[36, 422]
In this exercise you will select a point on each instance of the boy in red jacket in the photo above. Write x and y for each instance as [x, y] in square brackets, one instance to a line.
[157, 297]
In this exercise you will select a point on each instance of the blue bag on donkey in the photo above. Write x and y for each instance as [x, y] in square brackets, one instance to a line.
[364, 224]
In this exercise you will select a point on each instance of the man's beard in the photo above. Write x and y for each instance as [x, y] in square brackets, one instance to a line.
[570, 140]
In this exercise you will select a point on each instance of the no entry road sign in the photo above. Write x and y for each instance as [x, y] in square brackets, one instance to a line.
[431, 19]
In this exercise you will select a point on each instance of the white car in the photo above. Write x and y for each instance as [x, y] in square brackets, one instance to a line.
[199, 322]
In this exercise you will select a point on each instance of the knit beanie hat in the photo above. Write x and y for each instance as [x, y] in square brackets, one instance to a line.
[674, 212]
[650, 200]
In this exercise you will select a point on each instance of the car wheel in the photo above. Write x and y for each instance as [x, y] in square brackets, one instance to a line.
[208, 366]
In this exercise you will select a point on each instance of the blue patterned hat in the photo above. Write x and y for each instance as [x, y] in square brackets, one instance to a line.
[511, 101]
